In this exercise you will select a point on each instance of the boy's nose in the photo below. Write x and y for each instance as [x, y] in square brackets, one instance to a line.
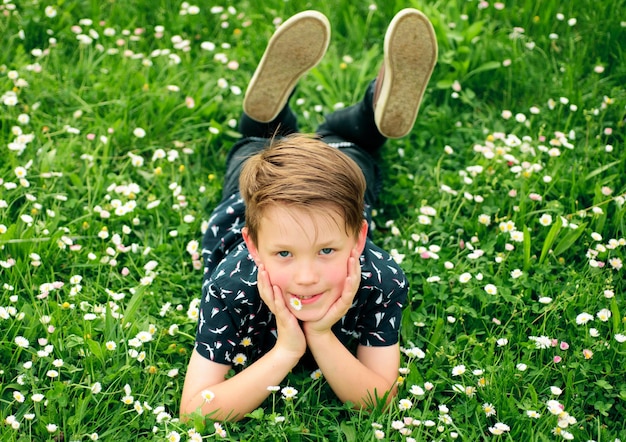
[305, 274]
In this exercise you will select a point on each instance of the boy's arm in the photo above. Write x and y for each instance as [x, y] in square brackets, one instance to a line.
[234, 397]
[361, 380]
[244, 392]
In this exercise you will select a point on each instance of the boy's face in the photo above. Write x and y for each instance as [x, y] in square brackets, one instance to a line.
[306, 255]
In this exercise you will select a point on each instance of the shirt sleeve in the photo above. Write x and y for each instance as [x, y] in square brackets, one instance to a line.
[385, 289]
[218, 325]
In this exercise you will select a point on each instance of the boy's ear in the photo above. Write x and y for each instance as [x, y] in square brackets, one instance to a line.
[360, 242]
[252, 249]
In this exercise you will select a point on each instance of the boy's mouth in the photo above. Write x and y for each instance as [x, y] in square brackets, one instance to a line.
[307, 299]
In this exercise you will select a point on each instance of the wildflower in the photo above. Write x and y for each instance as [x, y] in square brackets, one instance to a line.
[465, 277]
[517, 236]
[219, 430]
[289, 393]
[616, 263]
[405, 404]
[379, 434]
[489, 409]
[555, 390]
[458, 370]
[619, 337]
[50, 11]
[317, 374]
[295, 303]
[604, 315]
[545, 220]
[173, 436]
[499, 428]
[139, 132]
[484, 219]
[516, 273]
[533, 414]
[491, 289]
[138, 408]
[18, 396]
[414, 352]
[240, 359]
[96, 388]
[541, 342]
[417, 390]
[110, 345]
[555, 407]
[587, 354]
[502, 342]
[583, 318]
[21, 341]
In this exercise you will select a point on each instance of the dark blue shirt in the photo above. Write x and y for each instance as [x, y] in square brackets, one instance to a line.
[235, 325]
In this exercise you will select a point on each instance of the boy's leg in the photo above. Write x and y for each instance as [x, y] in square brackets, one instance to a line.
[297, 46]
[391, 102]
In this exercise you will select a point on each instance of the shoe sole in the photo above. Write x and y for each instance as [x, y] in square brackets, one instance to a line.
[297, 46]
[410, 57]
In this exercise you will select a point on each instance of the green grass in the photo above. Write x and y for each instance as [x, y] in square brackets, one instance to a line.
[561, 81]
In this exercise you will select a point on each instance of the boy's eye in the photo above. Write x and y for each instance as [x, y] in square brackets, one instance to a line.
[283, 254]
[326, 251]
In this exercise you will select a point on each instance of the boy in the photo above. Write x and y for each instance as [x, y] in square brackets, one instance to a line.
[291, 273]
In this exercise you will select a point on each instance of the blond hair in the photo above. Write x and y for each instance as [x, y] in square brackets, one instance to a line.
[302, 172]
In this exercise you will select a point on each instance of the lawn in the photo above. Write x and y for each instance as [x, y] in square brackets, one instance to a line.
[505, 206]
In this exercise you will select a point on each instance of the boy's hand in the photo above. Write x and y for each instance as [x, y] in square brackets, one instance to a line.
[290, 335]
[343, 303]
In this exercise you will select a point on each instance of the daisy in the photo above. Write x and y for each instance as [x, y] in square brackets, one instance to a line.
[465, 277]
[491, 289]
[289, 392]
[583, 318]
[499, 428]
[405, 404]
[295, 303]
[239, 359]
[489, 409]
[208, 395]
[458, 370]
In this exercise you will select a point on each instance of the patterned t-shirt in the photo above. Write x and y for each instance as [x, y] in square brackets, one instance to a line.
[235, 327]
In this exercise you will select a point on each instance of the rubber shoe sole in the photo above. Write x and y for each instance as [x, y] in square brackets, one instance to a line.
[409, 59]
[297, 46]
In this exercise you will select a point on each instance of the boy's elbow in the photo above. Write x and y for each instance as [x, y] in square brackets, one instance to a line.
[375, 400]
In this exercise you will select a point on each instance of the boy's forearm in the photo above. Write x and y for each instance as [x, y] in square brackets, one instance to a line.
[244, 392]
[349, 378]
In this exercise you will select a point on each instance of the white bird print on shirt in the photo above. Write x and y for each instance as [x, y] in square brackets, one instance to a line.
[218, 331]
